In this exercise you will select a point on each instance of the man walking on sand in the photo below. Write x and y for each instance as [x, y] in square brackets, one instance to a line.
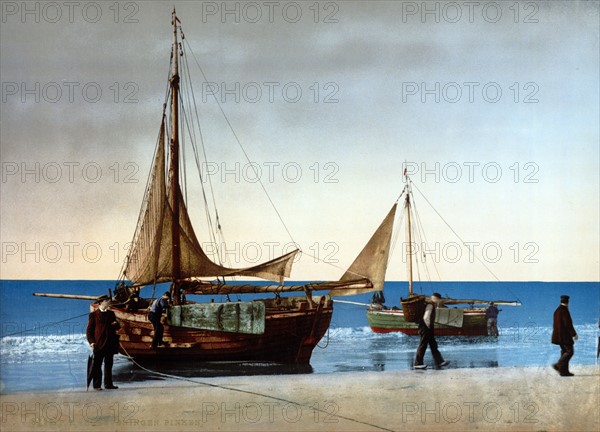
[563, 334]
[427, 333]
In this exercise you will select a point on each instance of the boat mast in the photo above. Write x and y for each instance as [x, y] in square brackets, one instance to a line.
[408, 228]
[174, 166]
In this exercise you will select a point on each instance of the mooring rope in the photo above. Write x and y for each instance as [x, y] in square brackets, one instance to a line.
[253, 393]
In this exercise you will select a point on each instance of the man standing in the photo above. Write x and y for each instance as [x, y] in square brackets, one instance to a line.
[102, 336]
[563, 334]
[426, 331]
[491, 313]
[156, 310]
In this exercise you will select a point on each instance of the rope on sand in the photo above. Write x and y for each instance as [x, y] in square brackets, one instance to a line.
[253, 393]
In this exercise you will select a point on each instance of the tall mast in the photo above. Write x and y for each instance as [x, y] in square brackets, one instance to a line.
[174, 165]
[408, 228]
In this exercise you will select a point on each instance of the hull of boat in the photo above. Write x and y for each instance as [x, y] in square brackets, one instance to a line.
[293, 327]
[388, 321]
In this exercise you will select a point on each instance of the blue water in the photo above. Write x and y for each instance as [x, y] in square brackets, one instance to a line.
[43, 346]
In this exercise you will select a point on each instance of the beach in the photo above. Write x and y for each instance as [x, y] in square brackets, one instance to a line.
[499, 399]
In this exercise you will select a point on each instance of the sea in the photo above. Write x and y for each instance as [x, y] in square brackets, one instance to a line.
[43, 345]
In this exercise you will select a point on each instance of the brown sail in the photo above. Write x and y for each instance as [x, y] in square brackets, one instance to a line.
[151, 261]
[372, 261]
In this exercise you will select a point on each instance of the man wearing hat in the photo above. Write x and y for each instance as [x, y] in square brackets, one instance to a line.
[102, 336]
[426, 331]
[563, 334]
[156, 310]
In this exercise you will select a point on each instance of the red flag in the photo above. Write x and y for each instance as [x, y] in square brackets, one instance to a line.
[404, 171]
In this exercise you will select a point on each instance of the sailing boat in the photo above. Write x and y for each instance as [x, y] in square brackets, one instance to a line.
[463, 321]
[165, 249]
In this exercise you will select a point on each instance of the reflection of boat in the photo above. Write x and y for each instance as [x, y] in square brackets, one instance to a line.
[465, 321]
[165, 249]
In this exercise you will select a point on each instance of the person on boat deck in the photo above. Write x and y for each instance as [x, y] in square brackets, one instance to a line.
[427, 333]
[491, 313]
[377, 301]
[563, 334]
[156, 310]
[102, 336]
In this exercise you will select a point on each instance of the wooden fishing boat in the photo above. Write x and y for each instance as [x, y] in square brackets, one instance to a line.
[388, 321]
[292, 328]
[450, 321]
[165, 250]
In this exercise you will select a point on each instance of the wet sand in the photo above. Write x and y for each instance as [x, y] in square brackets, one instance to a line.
[498, 399]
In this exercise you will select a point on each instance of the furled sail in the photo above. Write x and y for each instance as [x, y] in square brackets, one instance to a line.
[372, 260]
[142, 261]
[150, 258]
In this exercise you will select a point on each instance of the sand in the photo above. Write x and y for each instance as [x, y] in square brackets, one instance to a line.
[499, 399]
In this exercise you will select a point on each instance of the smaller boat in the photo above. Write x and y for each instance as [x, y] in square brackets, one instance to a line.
[450, 321]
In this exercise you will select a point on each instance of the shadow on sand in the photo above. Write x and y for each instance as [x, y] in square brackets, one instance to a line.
[130, 372]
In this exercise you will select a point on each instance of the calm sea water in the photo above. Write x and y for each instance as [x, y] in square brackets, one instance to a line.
[43, 346]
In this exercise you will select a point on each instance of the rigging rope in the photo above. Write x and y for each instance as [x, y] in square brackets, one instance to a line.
[463, 242]
[457, 236]
[242, 149]
[143, 207]
[213, 233]
[397, 233]
[416, 232]
[183, 163]
[347, 270]
[422, 239]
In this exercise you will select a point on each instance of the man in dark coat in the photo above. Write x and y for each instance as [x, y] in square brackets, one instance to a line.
[563, 334]
[102, 336]
[427, 333]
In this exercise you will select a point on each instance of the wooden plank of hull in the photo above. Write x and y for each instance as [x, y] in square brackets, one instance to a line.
[389, 321]
[290, 337]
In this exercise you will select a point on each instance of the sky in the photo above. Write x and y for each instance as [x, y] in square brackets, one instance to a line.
[492, 108]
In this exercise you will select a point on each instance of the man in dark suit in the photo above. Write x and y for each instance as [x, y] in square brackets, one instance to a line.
[563, 334]
[427, 333]
[102, 336]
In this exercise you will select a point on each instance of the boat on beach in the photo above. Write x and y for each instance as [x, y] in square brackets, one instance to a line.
[165, 250]
[467, 320]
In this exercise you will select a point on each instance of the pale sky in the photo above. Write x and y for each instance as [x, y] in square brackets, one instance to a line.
[494, 108]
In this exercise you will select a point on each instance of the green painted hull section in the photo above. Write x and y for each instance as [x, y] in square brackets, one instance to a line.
[388, 321]
[233, 317]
